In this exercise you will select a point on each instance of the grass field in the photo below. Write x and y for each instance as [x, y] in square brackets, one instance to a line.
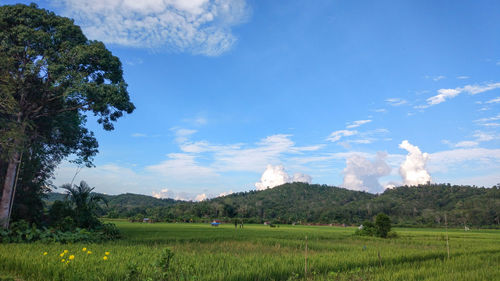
[258, 252]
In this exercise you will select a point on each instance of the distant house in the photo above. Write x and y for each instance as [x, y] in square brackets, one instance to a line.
[147, 220]
[215, 223]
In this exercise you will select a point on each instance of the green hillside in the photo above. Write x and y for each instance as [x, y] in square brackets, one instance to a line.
[311, 203]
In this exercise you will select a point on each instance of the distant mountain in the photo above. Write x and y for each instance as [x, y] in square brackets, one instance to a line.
[312, 203]
[127, 204]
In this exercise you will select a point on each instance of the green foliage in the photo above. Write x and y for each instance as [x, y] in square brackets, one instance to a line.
[23, 232]
[304, 203]
[84, 204]
[382, 225]
[51, 76]
[164, 262]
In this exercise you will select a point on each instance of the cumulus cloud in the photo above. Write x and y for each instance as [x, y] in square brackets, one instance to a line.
[413, 170]
[196, 26]
[363, 174]
[164, 193]
[225, 193]
[445, 94]
[200, 197]
[185, 196]
[276, 175]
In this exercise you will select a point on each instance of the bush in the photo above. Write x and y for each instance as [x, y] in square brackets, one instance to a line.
[381, 227]
[22, 232]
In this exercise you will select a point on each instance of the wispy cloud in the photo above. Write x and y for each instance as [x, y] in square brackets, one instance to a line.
[436, 78]
[196, 26]
[463, 77]
[357, 123]
[337, 135]
[495, 100]
[445, 94]
[396, 101]
[139, 135]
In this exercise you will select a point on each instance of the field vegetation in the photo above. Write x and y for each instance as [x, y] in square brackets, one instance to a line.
[182, 251]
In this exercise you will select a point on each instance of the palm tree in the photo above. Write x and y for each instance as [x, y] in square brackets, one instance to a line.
[84, 203]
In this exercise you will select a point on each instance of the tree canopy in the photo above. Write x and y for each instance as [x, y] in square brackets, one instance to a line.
[51, 77]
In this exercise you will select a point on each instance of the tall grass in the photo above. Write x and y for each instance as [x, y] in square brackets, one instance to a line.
[256, 252]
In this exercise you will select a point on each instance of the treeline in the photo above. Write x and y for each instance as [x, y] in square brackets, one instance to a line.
[424, 205]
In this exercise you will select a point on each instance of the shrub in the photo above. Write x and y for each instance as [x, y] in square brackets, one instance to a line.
[382, 225]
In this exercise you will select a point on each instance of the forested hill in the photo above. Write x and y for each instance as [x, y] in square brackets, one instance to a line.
[305, 203]
[122, 205]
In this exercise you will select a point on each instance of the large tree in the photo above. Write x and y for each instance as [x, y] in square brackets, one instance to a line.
[51, 76]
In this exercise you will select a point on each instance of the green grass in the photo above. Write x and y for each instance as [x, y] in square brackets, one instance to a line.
[258, 252]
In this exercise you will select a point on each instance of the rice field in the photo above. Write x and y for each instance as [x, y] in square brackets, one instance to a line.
[258, 252]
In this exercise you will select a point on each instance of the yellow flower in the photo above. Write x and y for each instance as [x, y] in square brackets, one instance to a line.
[45, 253]
[61, 255]
[84, 249]
[105, 258]
[72, 257]
[65, 251]
[63, 260]
[89, 252]
[106, 253]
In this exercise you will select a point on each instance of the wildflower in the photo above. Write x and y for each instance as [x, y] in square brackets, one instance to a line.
[105, 258]
[106, 253]
[61, 255]
[84, 249]
[89, 252]
[63, 260]
[65, 251]
[45, 253]
[72, 257]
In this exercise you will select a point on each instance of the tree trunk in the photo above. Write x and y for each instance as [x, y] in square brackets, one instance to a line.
[8, 190]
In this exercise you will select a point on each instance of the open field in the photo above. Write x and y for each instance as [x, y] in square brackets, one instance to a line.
[258, 252]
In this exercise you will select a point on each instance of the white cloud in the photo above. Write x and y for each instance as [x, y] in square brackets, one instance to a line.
[357, 123]
[337, 135]
[225, 193]
[200, 197]
[444, 94]
[396, 101]
[139, 135]
[164, 193]
[182, 134]
[413, 170]
[300, 177]
[495, 100]
[489, 119]
[462, 77]
[483, 158]
[363, 174]
[276, 175]
[268, 150]
[185, 196]
[466, 144]
[182, 167]
[196, 26]
[437, 78]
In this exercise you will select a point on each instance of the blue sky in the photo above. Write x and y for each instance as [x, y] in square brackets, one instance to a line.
[322, 91]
